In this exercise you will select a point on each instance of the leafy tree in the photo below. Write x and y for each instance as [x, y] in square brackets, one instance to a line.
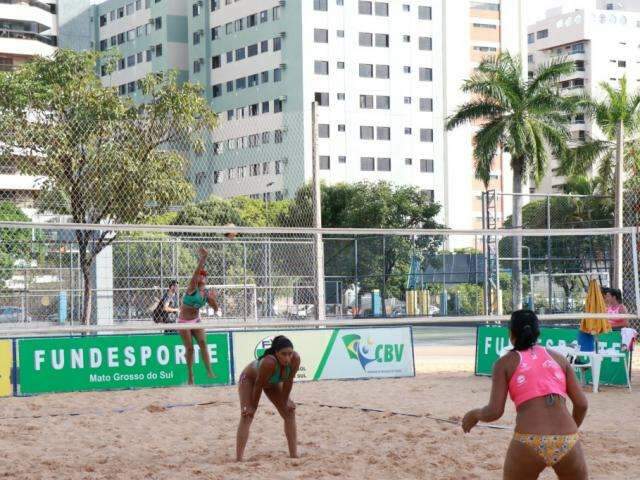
[526, 118]
[103, 158]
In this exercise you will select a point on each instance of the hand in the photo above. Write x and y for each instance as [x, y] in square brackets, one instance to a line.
[202, 253]
[470, 420]
[248, 411]
[290, 407]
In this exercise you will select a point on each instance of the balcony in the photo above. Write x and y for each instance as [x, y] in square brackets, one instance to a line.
[32, 3]
[22, 35]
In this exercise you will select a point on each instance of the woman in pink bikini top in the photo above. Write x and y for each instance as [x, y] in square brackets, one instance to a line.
[613, 299]
[538, 381]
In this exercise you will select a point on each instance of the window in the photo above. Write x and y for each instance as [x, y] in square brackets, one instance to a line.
[323, 130]
[424, 13]
[383, 133]
[383, 102]
[407, 130]
[364, 8]
[366, 101]
[320, 35]
[384, 164]
[579, 118]
[320, 67]
[425, 43]
[276, 13]
[252, 80]
[277, 44]
[580, 65]
[277, 74]
[322, 98]
[240, 54]
[131, 87]
[129, 8]
[138, 4]
[215, 5]
[341, 127]
[382, 71]
[139, 57]
[103, 45]
[366, 70]
[120, 38]
[122, 89]
[239, 25]
[131, 60]
[217, 90]
[196, 8]
[382, 9]
[366, 132]
[365, 39]
[342, 159]
[426, 74]
[265, 168]
[406, 69]
[340, 33]
[228, 28]
[542, 34]
[406, 7]
[230, 56]
[158, 23]
[340, 96]
[426, 105]
[489, 26]
[113, 40]
[196, 66]
[367, 164]
[229, 115]
[253, 110]
[112, 15]
[340, 65]
[320, 5]
[196, 38]
[426, 165]
[340, 3]
[131, 35]
[215, 33]
[216, 62]
[622, 63]
[531, 38]
[407, 100]
[494, 7]
[159, 50]
[121, 64]
[430, 194]
[252, 20]
[265, 107]
[382, 40]
[479, 48]
[325, 162]
[264, 76]
[121, 12]
[426, 135]
[103, 20]
[252, 50]
[408, 161]
[277, 105]
[103, 69]
[264, 46]
[264, 16]
[149, 55]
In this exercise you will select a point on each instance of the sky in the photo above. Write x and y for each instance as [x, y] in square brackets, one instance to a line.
[535, 9]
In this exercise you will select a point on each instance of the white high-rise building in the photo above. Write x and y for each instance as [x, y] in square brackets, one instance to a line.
[27, 28]
[603, 38]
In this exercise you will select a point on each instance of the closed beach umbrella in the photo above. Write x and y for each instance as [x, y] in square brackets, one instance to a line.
[595, 304]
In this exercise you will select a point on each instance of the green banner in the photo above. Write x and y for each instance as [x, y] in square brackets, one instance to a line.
[492, 339]
[114, 362]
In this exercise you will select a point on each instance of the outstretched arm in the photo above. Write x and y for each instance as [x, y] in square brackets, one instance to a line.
[495, 408]
[202, 259]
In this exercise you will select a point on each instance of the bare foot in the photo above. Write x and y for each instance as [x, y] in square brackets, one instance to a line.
[190, 381]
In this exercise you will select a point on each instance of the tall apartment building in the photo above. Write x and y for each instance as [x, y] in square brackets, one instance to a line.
[603, 38]
[27, 28]
[384, 75]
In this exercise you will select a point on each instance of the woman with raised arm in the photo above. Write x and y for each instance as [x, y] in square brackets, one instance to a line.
[539, 382]
[196, 297]
[272, 373]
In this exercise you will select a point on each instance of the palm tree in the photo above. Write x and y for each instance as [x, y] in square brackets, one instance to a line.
[618, 117]
[526, 118]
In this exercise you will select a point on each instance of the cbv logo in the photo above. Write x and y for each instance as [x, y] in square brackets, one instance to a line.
[369, 351]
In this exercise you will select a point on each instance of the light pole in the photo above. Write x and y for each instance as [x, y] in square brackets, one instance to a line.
[267, 200]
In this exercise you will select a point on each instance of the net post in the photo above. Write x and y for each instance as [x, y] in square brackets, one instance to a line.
[317, 218]
[634, 253]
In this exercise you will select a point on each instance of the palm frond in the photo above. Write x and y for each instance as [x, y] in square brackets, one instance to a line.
[550, 73]
[487, 141]
[475, 110]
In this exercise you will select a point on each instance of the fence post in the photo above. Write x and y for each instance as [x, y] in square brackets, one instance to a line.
[356, 272]
[549, 277]
[317, 217]
[634, 253]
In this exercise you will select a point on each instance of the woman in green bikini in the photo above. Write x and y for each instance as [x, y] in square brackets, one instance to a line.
[273, 372]
[196, 297]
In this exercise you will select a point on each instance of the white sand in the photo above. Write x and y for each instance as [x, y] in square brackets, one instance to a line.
[149, 441]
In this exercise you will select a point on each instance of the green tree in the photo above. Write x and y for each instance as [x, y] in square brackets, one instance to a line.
[214, 211]
[526, 118]
[104, 159]
[618, 117]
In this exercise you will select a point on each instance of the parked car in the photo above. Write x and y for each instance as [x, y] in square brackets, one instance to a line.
[13, 315]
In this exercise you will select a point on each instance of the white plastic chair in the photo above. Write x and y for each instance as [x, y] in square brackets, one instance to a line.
[572, 354]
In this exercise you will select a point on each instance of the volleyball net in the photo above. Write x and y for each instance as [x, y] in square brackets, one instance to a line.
[95, 277]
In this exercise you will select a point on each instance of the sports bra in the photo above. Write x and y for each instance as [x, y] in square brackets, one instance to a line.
[277, 375]
[195, 299]
[537, 375]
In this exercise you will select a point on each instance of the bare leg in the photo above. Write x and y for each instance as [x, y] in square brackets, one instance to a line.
[245, 388]
[276, 396]
[201, 337]
[522, 462]
[572, 466]
[188, 345]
